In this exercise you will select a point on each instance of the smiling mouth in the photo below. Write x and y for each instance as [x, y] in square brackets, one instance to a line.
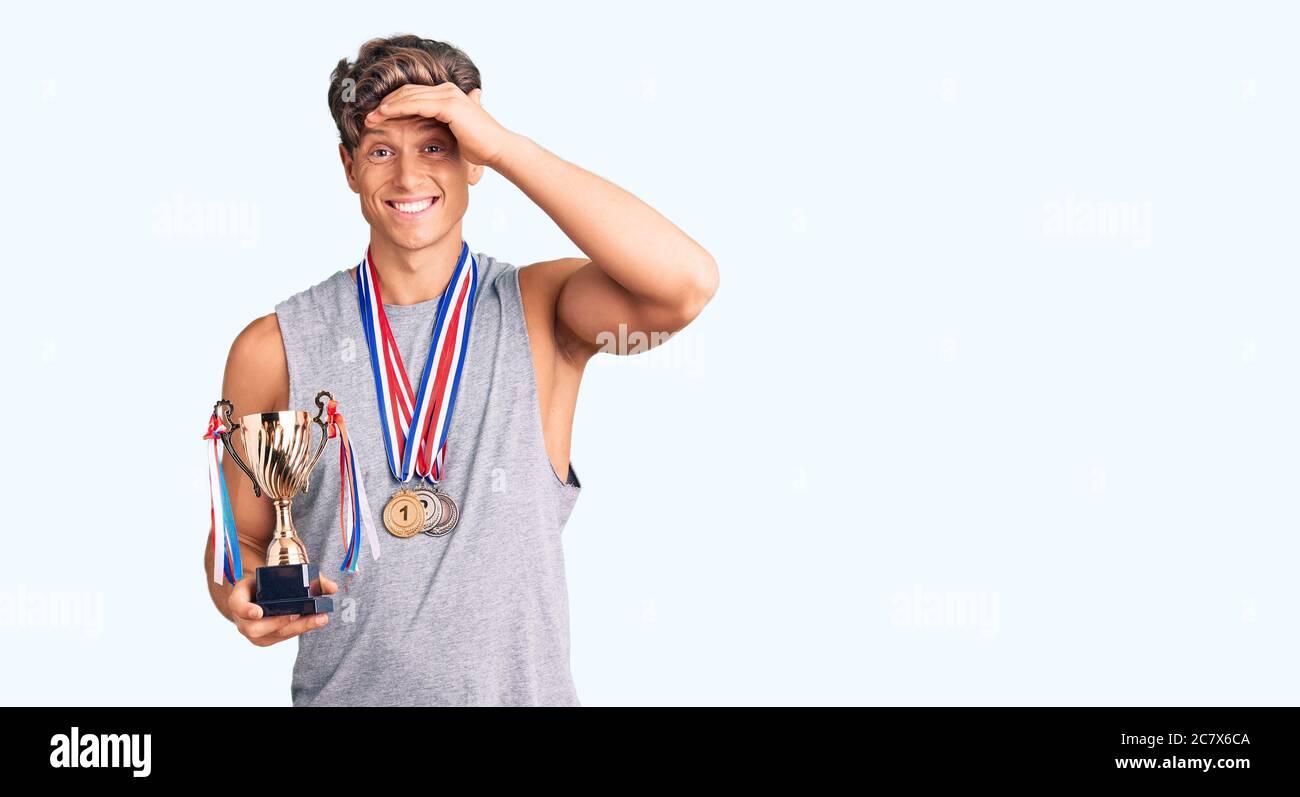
[413, 207]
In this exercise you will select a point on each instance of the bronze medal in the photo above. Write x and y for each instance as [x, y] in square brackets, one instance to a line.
[404, 514]
[450, 514]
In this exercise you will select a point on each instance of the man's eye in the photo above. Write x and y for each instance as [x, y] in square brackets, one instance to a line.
[434, 146]
[378, 150]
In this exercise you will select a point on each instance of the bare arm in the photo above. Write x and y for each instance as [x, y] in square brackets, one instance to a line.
[642, 271]
[256, 380]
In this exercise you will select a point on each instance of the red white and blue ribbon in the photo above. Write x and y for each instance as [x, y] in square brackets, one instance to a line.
[416, 422]
[225, 543]
[352, 497]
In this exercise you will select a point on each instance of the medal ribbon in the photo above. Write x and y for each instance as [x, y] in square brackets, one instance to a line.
[418, 421]
[352, 496]
[225, 544]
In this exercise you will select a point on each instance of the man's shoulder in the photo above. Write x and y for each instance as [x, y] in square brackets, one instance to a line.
[540, 285]
[257, 358]
[259, 341]
[258, 363]
[259, 336]
[549, 275]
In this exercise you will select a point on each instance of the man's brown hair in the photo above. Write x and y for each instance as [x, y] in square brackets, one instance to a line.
[383, 65]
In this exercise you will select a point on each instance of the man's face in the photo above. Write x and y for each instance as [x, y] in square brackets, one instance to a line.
[413, 184]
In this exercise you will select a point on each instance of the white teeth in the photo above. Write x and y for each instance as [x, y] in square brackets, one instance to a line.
[413, 207]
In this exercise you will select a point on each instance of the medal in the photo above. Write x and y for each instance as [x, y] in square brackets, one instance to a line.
[404, 514]
[432, 508]
[415, 423]
[450, 515]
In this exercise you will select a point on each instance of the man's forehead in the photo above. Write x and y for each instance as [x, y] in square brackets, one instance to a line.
[413, 124]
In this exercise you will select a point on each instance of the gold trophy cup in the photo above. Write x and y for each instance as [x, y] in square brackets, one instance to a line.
[281, 458]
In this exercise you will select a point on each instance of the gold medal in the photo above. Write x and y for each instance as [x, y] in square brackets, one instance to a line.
[404, 514]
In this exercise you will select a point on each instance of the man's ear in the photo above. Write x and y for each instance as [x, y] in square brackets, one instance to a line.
[347, 168]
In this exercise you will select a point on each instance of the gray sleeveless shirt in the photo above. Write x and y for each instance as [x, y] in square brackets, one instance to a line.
[479, 616]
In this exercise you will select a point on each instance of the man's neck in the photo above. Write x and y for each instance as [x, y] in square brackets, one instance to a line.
[409, 276]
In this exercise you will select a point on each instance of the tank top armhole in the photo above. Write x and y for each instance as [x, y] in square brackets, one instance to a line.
[284, 321]
[571, 486]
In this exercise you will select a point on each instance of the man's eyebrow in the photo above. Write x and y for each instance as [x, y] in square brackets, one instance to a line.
[432, 126]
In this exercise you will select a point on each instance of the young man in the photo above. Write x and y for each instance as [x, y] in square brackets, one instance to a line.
[474, 611]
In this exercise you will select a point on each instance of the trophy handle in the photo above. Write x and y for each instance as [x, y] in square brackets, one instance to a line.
[324, 434]
[226, 408]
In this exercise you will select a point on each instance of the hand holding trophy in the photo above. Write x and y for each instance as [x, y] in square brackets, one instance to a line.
[282, 453]
[263, 631]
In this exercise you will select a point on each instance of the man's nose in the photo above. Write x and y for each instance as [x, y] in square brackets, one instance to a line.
[409, 174]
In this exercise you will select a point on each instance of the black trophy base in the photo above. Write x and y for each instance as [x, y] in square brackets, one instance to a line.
[291, 589]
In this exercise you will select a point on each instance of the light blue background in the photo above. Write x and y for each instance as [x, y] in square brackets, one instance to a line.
[924, 447]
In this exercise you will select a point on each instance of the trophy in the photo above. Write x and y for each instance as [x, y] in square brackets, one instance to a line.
[280, 461]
